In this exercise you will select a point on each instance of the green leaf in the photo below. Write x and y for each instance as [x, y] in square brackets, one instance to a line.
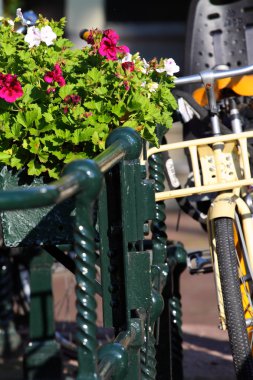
[104, 118]
[74, 156]
[66, 90]
[8, 49]
[28, 118]
[119, 109]
[16, 162]
[101, 91]
[94, 74]
[43, 156]
[135, 103]
[53, 173]
[16, 130]
[48, 117]
[4, 156]
[35, 168]
[34, 145]
[21, 119]
[58, 154]
[130, 123]
[27, 98]
[95, 138]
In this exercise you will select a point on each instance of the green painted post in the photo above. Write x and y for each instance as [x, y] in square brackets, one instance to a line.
[177, 254]
[148, 350]
[169, 352]
[159, 237]
[132, 275]
[42, 359]
[168, 329]
[9, 338]
[84, 246]
[158, 226]
[105, 258]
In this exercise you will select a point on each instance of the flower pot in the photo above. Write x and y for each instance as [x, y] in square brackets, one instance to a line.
[33, 227]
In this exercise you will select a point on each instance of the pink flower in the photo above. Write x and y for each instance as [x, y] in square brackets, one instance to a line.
[75, 99]
[90, 38]
[55, 76]
[126, 85]
[111, 35]
[123, 49]
[108, 49]
[50, 89]
[10, 88]
[88, 114]
[108, 45]
[128, 66]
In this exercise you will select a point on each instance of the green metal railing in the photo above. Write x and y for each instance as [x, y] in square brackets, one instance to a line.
[139, 274]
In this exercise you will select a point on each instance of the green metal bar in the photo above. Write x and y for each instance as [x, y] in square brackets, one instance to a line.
[46, 195]
[148, 350]
[121, 143]
[85, 249]
[113, 361]
[111, 156]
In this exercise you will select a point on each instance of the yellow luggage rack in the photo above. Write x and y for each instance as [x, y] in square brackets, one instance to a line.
[219, 163]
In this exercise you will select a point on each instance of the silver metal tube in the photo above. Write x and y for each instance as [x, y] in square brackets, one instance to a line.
[217, 74]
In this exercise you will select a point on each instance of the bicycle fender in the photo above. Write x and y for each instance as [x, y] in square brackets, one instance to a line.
[223, 206]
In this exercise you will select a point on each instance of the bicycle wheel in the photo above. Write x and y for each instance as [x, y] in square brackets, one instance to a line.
[236, 285]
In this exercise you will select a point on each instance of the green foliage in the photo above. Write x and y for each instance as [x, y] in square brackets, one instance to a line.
[53, 124]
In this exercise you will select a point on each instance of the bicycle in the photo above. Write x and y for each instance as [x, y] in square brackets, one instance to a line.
[221, 170]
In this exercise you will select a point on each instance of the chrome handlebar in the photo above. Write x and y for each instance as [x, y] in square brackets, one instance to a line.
[213, 75]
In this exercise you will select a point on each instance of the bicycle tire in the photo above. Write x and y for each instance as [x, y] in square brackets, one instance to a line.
[227, 245]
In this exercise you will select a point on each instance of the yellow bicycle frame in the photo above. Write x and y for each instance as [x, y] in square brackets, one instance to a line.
[220, 164]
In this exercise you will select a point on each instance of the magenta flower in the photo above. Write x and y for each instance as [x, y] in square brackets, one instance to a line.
[128, 66]
[75, 99]
[55, 76]
[123, 49]
[50, 89]
[108, 45]
[126, 85]
[10, 88]
[111, 35]
[108, 49]
[90, 39]
[88, 114]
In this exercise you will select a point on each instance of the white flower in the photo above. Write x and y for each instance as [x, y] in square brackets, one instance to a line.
[145, 66]
[19, 14]
[170, 67]
[11, 22]
[127, 58]
[152, 87]
[47, 35]
[33, 37]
